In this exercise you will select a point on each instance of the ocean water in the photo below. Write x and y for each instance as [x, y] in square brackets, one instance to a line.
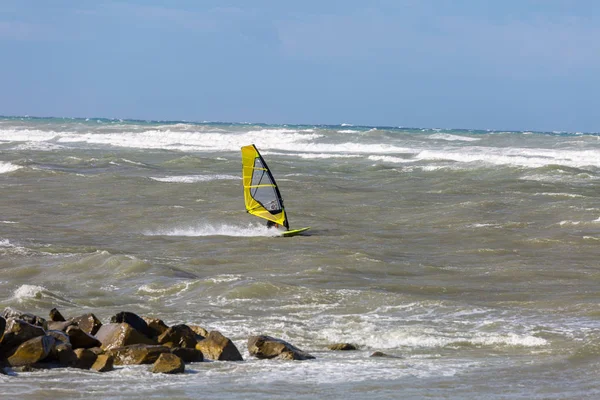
[472, 257]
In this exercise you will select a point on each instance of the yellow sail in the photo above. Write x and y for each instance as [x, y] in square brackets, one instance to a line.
[261, 195]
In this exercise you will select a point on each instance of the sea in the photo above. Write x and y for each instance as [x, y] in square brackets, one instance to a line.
[470, 258]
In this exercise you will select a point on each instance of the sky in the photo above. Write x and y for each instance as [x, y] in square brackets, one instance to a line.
[476, 64]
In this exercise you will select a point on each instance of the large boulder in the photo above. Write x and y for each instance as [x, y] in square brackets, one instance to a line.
[85, 358]
[134, 320]
[187, 354]
[80, 339]
[32, 319]
[217, 347]
[136, 354]
[60, 325]
[17, 332]
[56, 316]
[264, 346]
[168, 363]
[2, 327]
[103, 363]
[120, 334]
[179, 335]
[32, 351]
[156, 326]
[88, 323]
[199, 331]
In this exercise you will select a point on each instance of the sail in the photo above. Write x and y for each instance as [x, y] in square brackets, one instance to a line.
[261, 194]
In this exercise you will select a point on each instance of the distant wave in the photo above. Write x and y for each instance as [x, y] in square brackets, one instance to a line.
[193, 178]
[6, 167]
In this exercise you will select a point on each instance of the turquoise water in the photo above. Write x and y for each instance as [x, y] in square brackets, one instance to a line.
[470, 255]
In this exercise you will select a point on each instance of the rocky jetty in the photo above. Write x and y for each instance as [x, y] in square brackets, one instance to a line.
[29, 342]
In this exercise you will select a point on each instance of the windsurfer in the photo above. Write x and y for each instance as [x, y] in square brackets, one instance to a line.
[271, 224]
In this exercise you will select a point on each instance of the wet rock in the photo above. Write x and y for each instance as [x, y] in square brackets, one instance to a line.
[179, 335]
[342, 346]
[168, 363]
[88, 323]
[32, 351]
[56, 316]
[65, 355]
[60, 325]
[383, 355]
[2, 327]
[135, 321]
[11, 313]
[120, 334]
[85, 358]
[103, 363]
[187, 354]
[157, 326]
[137, 354]
[217, 347]
[80, 339]
[199, 331]
[17, 332]
[264, 346]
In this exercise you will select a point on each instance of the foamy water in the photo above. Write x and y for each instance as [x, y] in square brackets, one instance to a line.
[469, 257]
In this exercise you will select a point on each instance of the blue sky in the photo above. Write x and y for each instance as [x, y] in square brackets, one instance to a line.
[511, 64]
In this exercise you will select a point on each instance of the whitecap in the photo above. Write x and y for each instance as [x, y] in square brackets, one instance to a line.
[194, 178]
[6, 167]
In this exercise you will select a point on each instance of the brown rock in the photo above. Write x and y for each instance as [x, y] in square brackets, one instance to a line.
[118, 335]
[383, 355]
[217, 347]
[342, 346]
[64, 354]
[157, 326]
[103, 363]
[85, 358]
[88, 323]
[32, 351]
[134, 320]
[2, 327]
[56, 316]
[10, 312]
[264, 346]
[17, 332]
[179, 335]
[81, 340]
[199, 331]
[187, 354]
[136, 354]
[168, 363]
[60, 325]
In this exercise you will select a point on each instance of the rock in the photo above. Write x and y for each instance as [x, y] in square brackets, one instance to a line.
[342, 346]
[32, 351]
[17, 332]
[88, 323]
[2, 327]
[103, 363]
[217, 347]
[199, 331]
[65, 355]
[268, 347]
[187, 354]
[11, 313]
[119, 335]
[157, 326]
[85, 358]
[135, 321]
[56, 316]
[60, 325]
[179, 335]
[136, 354]
[81, 340]
[380, 354]
[168, 363]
